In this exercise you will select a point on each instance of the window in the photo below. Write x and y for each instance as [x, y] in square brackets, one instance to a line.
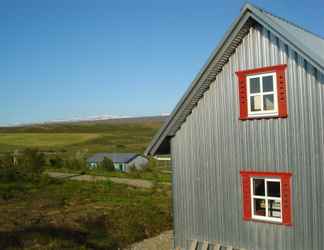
[267, 196]
[262, 98]
[266, 199]
[262, 92]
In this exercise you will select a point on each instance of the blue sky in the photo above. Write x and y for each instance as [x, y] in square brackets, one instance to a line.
[65, 59]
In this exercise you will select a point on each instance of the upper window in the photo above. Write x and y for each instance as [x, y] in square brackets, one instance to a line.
[262, 92]
[267, 196]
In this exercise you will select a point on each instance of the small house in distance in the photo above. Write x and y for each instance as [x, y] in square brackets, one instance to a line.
[247, 142]
[122, 161]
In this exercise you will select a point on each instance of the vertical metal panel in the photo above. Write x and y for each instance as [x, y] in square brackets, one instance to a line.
[212, 146]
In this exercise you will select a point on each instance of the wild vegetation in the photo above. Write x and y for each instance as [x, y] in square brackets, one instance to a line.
[38, 212]
[68, 139]
[106, 165]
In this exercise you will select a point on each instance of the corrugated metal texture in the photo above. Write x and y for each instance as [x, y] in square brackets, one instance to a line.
[212, 146]
[304, 42]
[310, 40]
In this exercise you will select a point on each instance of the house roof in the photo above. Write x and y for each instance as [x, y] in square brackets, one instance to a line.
[307, 44]
[307, 41]
[115, 157]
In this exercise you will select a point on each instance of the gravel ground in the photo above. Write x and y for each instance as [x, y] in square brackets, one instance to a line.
[88, 178]
[160, 242]
[130, 182]
[60, 175]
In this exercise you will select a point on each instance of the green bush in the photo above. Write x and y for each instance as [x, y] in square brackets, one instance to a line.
[31, 163]
[19, 171]
[11, 189]
[107, 165]
[8, 172]
[56, 162]
[76, 164]
[28, 165]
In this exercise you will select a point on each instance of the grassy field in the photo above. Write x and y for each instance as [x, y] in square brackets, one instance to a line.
[45, 140]
[64, 214]
[67, 139]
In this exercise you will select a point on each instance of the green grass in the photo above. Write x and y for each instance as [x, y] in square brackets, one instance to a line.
[67, 139]
[45, 140]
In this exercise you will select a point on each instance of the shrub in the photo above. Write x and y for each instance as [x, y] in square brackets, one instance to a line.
[19, 171]
[56, 162]
[8, 171]
[76, 164]
[31, 163]
[107, 164]
[28, 165]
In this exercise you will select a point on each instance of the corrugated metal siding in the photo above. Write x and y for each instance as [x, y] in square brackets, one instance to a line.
[212, 146]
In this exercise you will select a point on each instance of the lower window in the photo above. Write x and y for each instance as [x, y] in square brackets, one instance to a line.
[266, 199]
[267, 196]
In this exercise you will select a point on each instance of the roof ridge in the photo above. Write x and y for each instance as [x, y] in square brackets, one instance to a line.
[291, 34]
[288, 21]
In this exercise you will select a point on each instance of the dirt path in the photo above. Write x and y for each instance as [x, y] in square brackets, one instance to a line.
[160, 242]
[130, 182]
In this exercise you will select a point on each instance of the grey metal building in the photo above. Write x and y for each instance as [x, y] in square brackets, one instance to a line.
[247, 141]
[122, 161]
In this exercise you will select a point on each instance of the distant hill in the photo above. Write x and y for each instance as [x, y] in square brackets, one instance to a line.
[68, 138]
[84, 126]
[143, 119]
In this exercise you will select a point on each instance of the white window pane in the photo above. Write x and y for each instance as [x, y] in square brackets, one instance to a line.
[274, 209]
[255, 85]
[273, 188]
[259, 187]
[267, 83]
[268, 102]
[255, 102]
[260, 207]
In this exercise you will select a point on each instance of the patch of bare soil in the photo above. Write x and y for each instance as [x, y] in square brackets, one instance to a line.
[130, 182]
[163, 241]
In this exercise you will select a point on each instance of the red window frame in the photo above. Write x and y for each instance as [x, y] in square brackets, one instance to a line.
[281, 90]
[286, 195]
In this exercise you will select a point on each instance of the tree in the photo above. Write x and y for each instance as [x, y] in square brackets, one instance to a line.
[31, 162]
[8, 171]
[107, 164]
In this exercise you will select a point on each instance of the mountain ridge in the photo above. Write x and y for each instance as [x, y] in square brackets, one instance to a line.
[105, 119]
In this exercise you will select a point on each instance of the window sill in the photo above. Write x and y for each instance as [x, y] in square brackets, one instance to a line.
[268, 222]
[260, 117]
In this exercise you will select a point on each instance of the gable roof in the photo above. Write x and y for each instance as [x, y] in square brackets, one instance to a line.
[310, 40]
[115, 157]
[307, 44]
[310, 43]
